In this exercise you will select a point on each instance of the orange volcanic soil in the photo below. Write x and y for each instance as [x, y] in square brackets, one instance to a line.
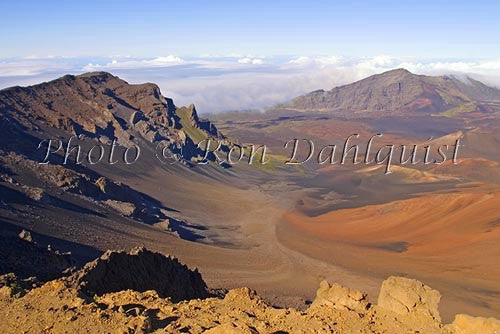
[437, 224]
[451, 240]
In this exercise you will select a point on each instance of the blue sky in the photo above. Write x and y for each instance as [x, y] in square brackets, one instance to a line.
[227, 55]
[430, 29]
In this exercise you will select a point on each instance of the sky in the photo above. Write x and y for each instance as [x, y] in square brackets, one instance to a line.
[225, 55]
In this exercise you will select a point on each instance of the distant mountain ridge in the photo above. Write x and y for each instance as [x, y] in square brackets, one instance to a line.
[102, 106]
[398, 92]
[102, 110]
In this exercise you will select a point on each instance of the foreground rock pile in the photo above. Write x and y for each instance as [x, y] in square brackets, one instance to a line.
[139, 270]
[90, 301]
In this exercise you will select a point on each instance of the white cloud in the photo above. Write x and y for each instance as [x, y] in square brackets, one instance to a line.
[241, 82]
[308, 61]
[253, 61]
[378, 61]
[302, 60]
[490, 65]
[31, 66]
[169, 60]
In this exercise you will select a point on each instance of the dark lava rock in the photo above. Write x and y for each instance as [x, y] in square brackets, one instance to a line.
[140, 270]
[25, 258]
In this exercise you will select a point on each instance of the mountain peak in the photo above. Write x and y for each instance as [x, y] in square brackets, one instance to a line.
[102, 106]
[395, 74]
[100, 74]
[402, 71]
[398, 91]
[98, 77]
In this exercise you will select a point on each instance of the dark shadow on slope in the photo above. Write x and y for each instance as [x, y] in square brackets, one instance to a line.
[12, 196]
[397, 247]
[66, 205]
[35, 258]
[185, 230]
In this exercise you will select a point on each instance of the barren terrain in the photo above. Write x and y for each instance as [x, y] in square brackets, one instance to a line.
[280, 230]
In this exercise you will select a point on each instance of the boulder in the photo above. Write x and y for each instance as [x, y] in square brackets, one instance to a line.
[465, 324]
[125, 208]
[409, 296]
[340, 298]
[25, 235]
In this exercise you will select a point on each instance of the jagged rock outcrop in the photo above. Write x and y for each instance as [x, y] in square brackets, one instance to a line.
[104, 107]
[109, 295]
[204, 125]
[340, 297]
[409, 297]
[139, 270]
[398, 92]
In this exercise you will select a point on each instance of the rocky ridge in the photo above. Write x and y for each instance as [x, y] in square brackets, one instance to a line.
[182, 304]
[42, 184]
[99, 109]
[103, 107]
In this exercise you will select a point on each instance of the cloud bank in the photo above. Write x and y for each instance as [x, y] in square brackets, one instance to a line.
[238, 82]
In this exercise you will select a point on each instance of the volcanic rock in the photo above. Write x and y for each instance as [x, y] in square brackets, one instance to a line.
[465, 324]
[140, 270]
[408, 296]
[25, 235]
[25, 258]
[340, 297]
